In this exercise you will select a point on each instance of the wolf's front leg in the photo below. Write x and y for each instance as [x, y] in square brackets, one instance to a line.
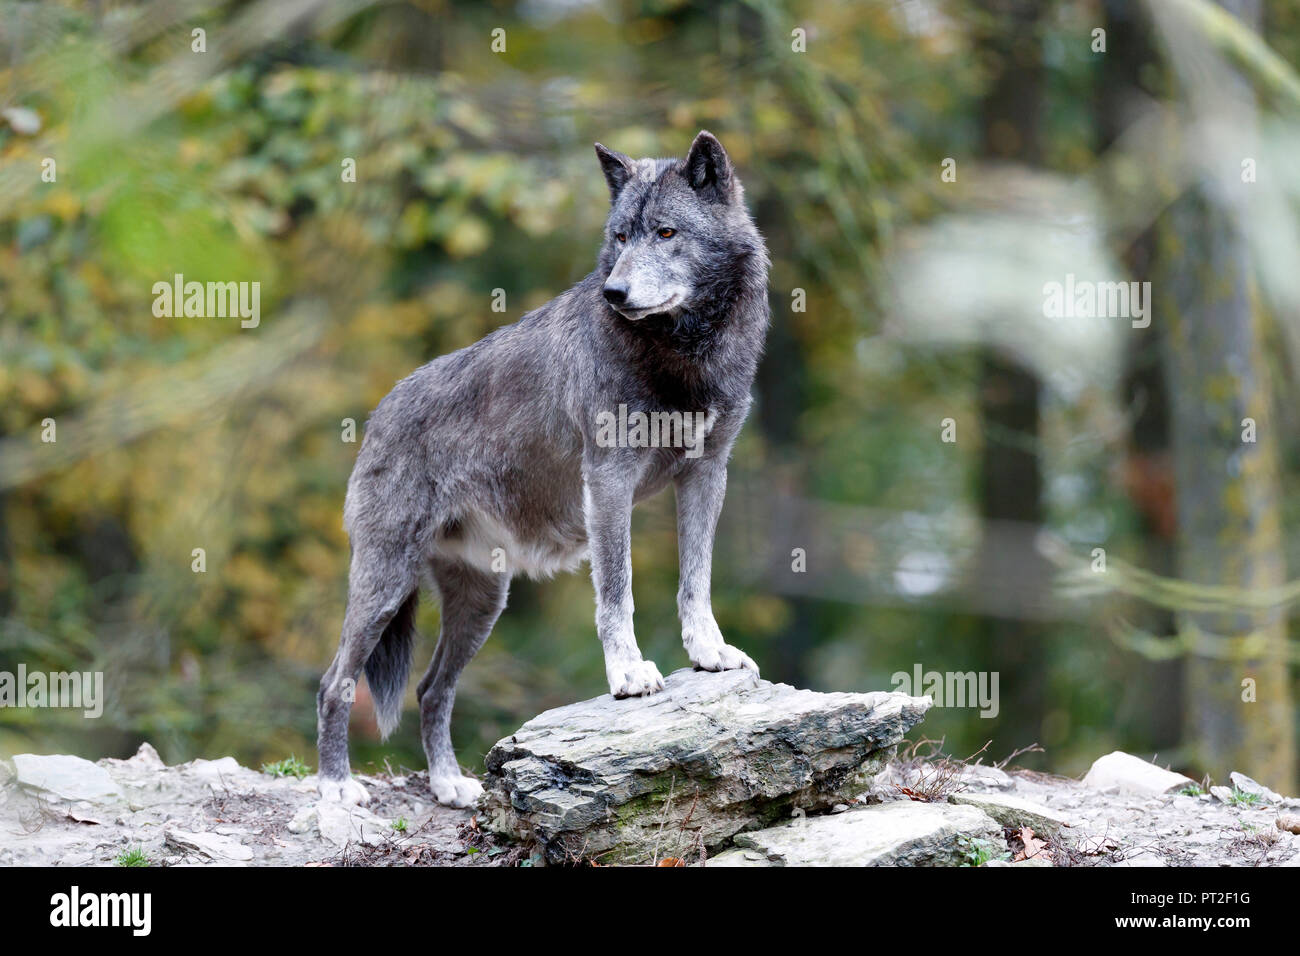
[608, 506]
[700, 488]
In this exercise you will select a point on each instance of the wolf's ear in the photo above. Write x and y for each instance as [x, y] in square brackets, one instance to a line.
[617, 168]
[708, 168]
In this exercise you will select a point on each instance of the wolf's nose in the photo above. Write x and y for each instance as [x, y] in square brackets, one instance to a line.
[615, 293]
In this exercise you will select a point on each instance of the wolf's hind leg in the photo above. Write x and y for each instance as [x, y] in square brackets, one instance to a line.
[378, 587]
[472, 600]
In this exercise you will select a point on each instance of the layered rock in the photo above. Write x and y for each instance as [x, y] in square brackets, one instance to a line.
[712, 755]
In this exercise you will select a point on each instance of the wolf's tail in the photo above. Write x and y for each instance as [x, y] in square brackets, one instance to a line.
[389, 665]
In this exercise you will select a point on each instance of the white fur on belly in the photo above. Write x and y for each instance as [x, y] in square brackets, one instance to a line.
[481, 535]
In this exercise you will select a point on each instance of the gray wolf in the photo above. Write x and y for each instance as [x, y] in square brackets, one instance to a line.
[507, 458]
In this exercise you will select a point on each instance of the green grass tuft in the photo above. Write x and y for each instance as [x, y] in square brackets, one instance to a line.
[290, 766]
[1240, 798]
[133, 857]
[979, 852]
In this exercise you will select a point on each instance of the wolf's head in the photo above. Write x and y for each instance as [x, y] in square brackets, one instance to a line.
[678, 238]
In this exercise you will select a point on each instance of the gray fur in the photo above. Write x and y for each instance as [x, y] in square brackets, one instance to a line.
[389, 665]
[497, 446]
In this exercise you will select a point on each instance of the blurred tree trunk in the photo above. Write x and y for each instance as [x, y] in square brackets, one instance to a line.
[1229, 519]
[1149, 714]
[1010, 478]
[6, 564]
[782, 378]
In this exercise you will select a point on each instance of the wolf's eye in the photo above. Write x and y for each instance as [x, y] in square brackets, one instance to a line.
[621, 237]
[666, 233]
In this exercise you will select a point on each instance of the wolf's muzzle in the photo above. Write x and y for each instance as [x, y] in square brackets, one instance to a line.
[615, 292]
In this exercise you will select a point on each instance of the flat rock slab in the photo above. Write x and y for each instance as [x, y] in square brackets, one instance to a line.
[1012, 811]
[631, 780]
[65, 777]
[903, 833]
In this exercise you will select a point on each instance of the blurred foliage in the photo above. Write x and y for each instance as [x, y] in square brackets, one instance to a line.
[474, 172]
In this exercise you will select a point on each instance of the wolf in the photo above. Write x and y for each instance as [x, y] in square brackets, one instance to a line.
[497, 460]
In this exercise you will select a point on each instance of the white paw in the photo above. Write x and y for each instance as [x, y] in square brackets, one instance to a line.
[346, 791]
[720, 657]
[634, 679]
[453, 790]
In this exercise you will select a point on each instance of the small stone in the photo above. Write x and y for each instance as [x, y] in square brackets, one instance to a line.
[211, 845]
[1289, 822]
[215, 772]
[1245, 785]
[342, 825]
[146, 758]
[1222, 794]
[1133, 775]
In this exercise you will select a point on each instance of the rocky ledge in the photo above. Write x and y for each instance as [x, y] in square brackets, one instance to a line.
[719, 769]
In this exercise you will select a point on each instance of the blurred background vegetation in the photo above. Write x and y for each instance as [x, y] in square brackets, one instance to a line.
[922, 301]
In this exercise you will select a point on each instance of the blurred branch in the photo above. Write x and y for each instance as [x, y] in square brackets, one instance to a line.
[1079, 580]
[1242, 46]
[1191, 640]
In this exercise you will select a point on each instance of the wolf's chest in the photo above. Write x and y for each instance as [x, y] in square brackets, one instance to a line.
[631, 426]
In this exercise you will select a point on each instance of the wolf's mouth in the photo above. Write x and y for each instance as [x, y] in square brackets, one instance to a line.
[666, 307]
